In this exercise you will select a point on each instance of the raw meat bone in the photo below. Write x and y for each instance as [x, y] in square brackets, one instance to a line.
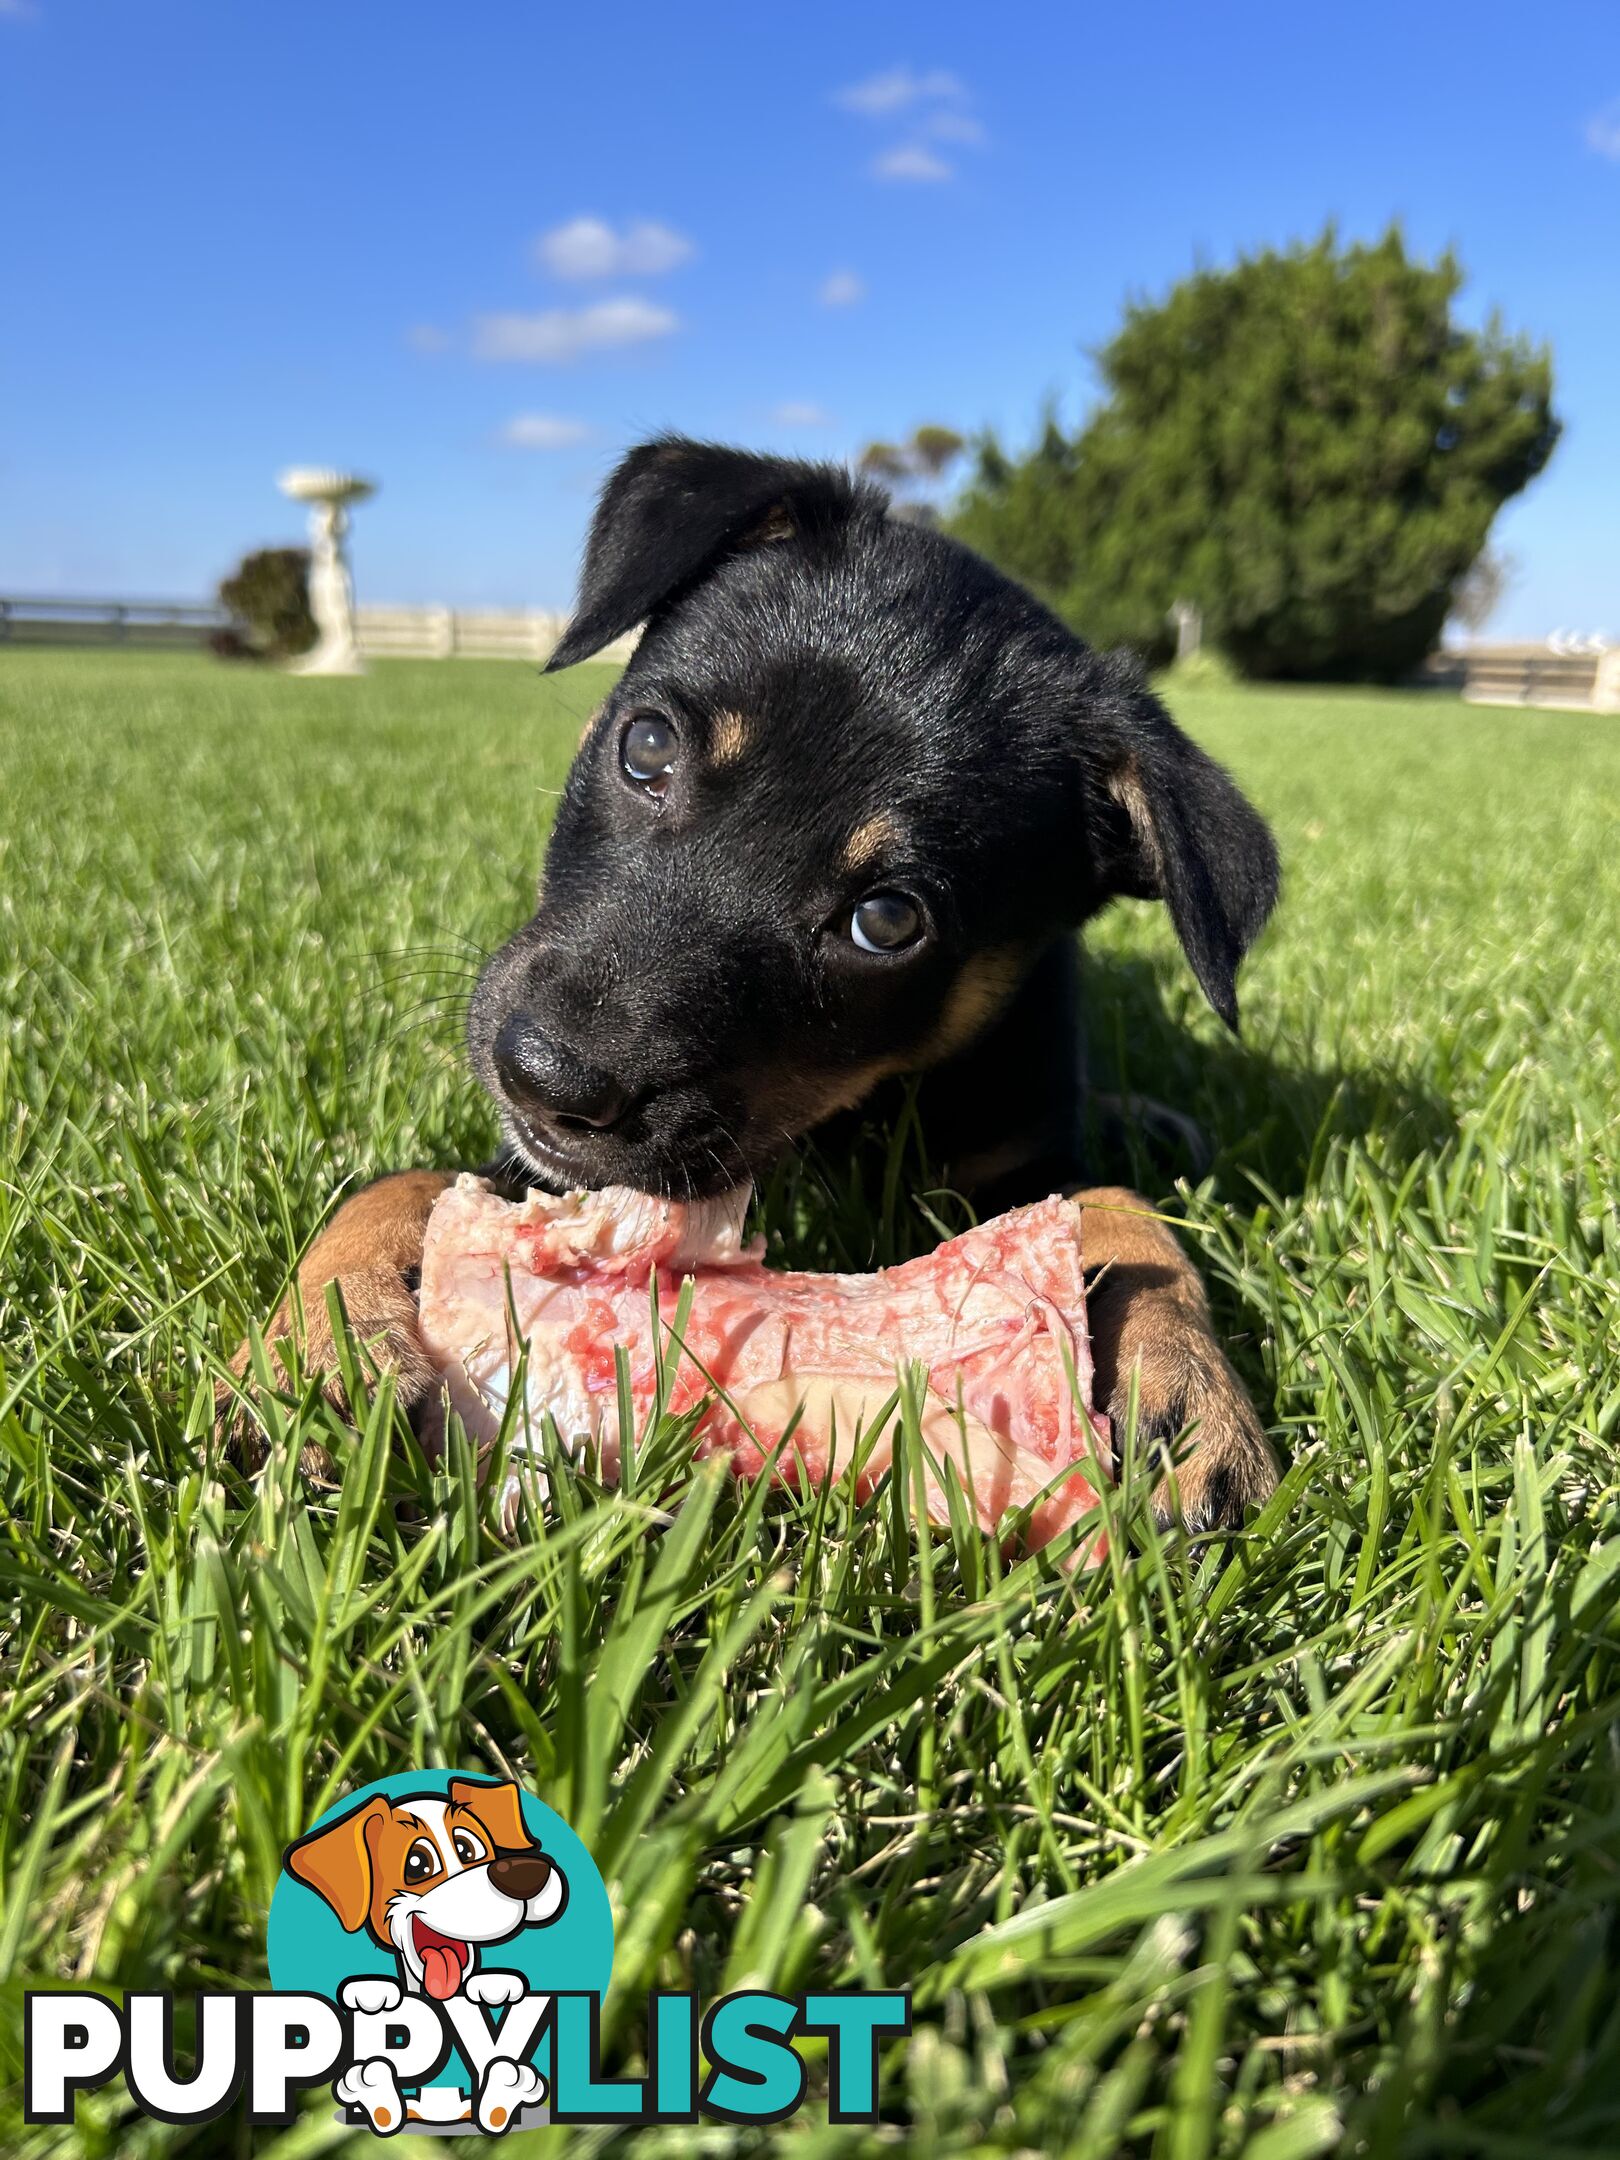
[997, 1317]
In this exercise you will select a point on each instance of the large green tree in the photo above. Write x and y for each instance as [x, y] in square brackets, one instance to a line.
[1308, 446]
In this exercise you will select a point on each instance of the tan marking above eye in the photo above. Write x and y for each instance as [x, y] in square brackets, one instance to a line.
[870, 842]
[728, 738]
[774, 527]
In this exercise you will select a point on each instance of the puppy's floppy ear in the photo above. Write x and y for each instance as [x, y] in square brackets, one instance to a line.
[498, 1807]
[336, 1863]
[1167, 823]
[672, 509]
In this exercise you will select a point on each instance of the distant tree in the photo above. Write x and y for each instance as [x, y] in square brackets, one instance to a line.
[925, 457]
[1307, 446]
[935, 449]
[884, 461]
[912, 470]
[1483, 588]
[267, 595]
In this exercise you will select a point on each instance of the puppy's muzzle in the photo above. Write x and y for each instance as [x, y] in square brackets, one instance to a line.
[547, 1081]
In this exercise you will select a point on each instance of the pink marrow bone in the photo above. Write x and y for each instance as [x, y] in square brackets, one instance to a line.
[996, 1317]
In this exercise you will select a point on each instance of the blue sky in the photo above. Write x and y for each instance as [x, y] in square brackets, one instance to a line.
[239, 237]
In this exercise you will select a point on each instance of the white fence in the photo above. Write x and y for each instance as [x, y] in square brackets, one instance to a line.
[441, 633]
[405, 633]
[1534, 676]
[1537, 675]
[108, 622]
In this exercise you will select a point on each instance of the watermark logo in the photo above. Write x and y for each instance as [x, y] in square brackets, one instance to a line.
[439, 1947]
[443, 1913]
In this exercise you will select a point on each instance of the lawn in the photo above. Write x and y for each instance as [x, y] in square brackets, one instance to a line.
[1303, 1842]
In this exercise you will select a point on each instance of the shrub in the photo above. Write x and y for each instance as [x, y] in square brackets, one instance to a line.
[1206, 669]
[267, 596]
[1307, 445]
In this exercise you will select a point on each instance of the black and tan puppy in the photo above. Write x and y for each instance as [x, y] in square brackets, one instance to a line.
[838, 821]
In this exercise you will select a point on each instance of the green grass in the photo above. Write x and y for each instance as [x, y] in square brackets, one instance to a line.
[1302, 1843]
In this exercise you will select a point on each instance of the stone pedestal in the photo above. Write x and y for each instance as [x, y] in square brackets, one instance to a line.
[1606, 689]
[1188, 621]
[331, 589]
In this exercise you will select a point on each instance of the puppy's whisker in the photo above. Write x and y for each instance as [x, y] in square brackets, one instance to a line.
[424, 999]
[737, 1149]
[409, 975]
[405, 998]
[465, 950]
[452, 1017]
[425, 1019]
[427, 956]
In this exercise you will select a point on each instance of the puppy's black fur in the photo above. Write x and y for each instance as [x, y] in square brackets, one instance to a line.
[855, 705]
[839, 732]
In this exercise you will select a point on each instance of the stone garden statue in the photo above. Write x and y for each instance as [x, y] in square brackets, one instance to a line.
[331, 589]
[1187, 619]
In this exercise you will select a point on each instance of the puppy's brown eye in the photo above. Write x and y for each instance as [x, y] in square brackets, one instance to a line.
[420, 1862]
[885, 922]
[647, 751]
[468, 1850]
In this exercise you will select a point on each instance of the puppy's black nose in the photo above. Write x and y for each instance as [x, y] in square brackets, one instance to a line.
[521, 1875]
[553, 1082]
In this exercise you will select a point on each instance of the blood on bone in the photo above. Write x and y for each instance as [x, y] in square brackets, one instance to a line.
[996, 1317]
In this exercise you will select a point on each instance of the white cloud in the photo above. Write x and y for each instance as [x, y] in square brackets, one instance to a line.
[794, 415]
[426, 337]
[956, 127]
[1603, 131]
[843, 288]
[558, 334]
[912, 161]
[588, 247]
[937, 106]
[543, 431]
[896, 89]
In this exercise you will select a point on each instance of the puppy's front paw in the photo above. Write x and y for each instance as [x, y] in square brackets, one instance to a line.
[372, 2087]
[373, 1993]
[494, 1987]
[381, 1309]
[1150, 1324]
[507, 2089]
[372, 1251]
[1188, 1393]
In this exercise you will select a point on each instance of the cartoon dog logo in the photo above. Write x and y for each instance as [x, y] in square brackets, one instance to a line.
[436, 1878]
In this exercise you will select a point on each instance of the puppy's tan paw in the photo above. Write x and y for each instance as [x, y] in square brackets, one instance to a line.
[1189, 1400]
[381, 1307]
[1151, 1325]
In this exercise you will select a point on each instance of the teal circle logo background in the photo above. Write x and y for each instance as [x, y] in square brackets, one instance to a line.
[310, 1953]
